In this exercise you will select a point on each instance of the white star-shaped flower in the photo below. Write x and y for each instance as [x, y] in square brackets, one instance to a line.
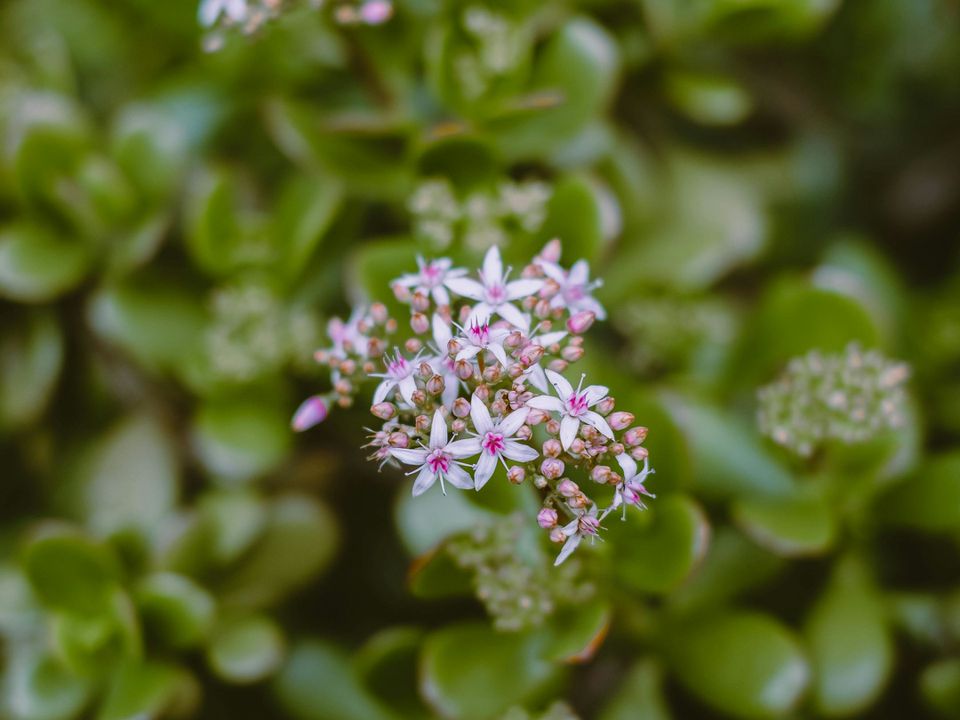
[497, 440]
[439, 459]
[431, 277]
[573, 406]
[494, 294]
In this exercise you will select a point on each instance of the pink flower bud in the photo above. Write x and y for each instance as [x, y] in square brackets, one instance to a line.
[378, 311]
[321, 356]
[343, 387]
[639, 453]
[413, 346]
[419, 397]
[606, 406]
[312, 411]
[513, 340]
[578, 501]
[348, 367]
[542, 309]
[344, 401]
[568, 488]
[376, 347]
[398, 440]
[525, 432]
[498, 407]
[492, 374]
[464, 369]
[461, 407]
[420, 302]
[435, 385]
[458, 425]
[635, 436]
[376, 12]
[616, 448]
[516, 474]
[552, 468]
[390, 326]
[422, 423]
[483, 392]
[419, 323]
[547, 518]
[401, 293]
[369, 368]
[453, 347]
[557, 535]
[531, 354]
[557, 365]
[600, 474]
[577, 446]
[552, 448]
[550, 288]
[572, 353]
[620, 420]
[553, 426]
[384, 410]
[581, 322]
[515, 370]
[536, 416]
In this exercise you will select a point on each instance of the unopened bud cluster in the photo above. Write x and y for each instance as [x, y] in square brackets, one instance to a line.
[849, 397]
[480, 383]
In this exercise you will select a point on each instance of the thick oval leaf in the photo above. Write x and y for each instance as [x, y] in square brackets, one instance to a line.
[707, 98]
[246, 650]
[435, 574]
[851, 650]
[31, 357]
[940, 687]
[41, 688]
[150, 690]
[387, 667]
[640, 695]
[236, 519]
[790, 526]
[929, 500]
[460, 684]
[175, 611]
[37, 266]
[656, 550]
[424, 522]
[317, 683]
[746, 665]
[574, 634]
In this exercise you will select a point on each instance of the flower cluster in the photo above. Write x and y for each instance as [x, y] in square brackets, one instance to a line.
[850, 397]
[480, 385]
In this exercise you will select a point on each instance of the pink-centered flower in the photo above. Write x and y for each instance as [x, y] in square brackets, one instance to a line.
[478, 337]
[576, 288]
[573, 406]
[431, 277]
[439, 459]
[346, 336]
[497, 440]
[631, 489]
[584, 525]
[494, 294]
[401, 374]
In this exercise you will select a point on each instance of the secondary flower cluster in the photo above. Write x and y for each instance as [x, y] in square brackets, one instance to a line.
[480, 384]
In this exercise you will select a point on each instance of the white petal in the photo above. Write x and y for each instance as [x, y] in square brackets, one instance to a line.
[383, 389]
[512, 422]
[441, 332]
[568, 547]
[408, 386]
[536, 377]
[410, 456]
[628, 464]
[458, 477]
[438, 431]
[596, 393]
[463, 448]
[479, 314]
[468, 352]
[440, 295]
[480, 415]
[568, 430]
[595, 419]
[564, 389]
[553, 271]
[589, 303]
[518, 452]
[484, 470]
[492, 267]
[465, 287]
[545, 402]
[548, 339]
[523, 288]
[512, 315]
[424, 481]
[407, 280]
[451, 389]
[579, 273]
[499, 353]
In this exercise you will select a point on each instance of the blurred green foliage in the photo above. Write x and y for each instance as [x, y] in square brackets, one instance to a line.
[755, 180]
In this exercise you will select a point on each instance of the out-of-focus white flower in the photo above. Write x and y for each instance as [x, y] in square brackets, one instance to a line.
[431, 277]
[400, 374]
[439, 459]
[631, 489]
[585, 525]
[479, 336]
[575, 288]
[497, 440]
[573, 406]
[494, 293]
[346, 336]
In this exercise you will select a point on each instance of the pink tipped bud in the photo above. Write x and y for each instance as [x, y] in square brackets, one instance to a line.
[492, 374]
[343, 387]
[401, 293]
[344, 401]
[461, 407]
[453, 347]
[581, 322]
[635, 436]
[376, 347]
[536, 416]
[348, 367]
[568, 488]
[620, 420]
[384, 410]
[639, 453]
[398, 440]
[516, 474]
[531, 354]
[552, 468]
[419, 323]
[600, 474]
[390, 326]
[369, 368]
[312, 411]
[577, 446]
[551, 251]
[420, 302]
[483, 392]
[515, 370]
[606, 406]
[572, 353]
[498, 407]
[578, 501]
[557, 535]
[513, 340]
[525, 432]
[552, 448]
[376, 12]
[413, 346]
[463, 369]
[422, 423]
[550, 288]
[542, 309]
[425, 370]
[458, 425]
[435, 385]
[419, 397]
[616, 449]
[378, 311]
[557, 365]
[553, 426]
[547, 518]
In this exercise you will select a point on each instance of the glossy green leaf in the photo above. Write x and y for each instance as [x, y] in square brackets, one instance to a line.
[317, 683]
[150, 690]
[851, 649]
[640, 695]
[435, 574]
[236, 518]
[387, 665]
[458, 684]
[709, 99]
[37, 264]
[805, 524]
[929, 500]
[940, 688]
[575, 634]
[305, 210]
[69, 571]
[41, 688]
[175, 611]
[745, 665]
[246, 650]
[656, 550]
[31, 358]
[150, 147]
[425, 521]
[91, 644]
